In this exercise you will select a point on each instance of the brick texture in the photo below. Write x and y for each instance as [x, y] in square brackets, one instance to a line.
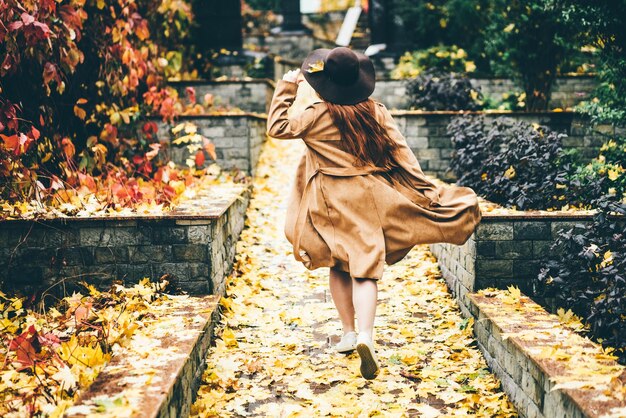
[237, 139]
[501, 253]
[426, 135]
[250, 96]
[198, 254]
[566, 92]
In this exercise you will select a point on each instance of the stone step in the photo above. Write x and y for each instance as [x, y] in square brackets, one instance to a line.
[156, 376]
[546, 369]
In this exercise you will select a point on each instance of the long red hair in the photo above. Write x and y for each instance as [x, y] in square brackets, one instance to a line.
[362, 135]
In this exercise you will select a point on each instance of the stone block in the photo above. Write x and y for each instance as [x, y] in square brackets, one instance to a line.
[440, 142]
[493, 269]
[541, 249]
[514, 249]
[438, 165]
[446, 153]
[532, 388]
[485, 249]
[134, 273]
[419, 142]
[197, 270]
[180, 271]
[149, 253]
[511, 366]
[526, 270]
[531, 230]
[429, 153]
[558, 226]
[199, 234]
[197, 287]
[495, 231]
[93, 236]
[235, 153]
[169, 235]
[111, 255]
[239, 131]
[189, 252]
[573, 141]
[76, 256]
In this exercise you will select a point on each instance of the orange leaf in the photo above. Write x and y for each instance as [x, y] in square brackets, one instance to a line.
[200, 159]
[209, 147]
[68, 148]
[11, 142]
[80, 113]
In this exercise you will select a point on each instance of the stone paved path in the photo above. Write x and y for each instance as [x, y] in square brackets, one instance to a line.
[274, 353]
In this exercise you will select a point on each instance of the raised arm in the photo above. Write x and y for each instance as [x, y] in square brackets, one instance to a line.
[279, 124]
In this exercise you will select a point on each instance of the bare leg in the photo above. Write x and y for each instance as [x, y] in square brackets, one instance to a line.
[364, 296]
[341, 291]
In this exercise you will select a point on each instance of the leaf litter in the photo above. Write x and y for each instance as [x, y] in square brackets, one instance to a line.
[274, 352]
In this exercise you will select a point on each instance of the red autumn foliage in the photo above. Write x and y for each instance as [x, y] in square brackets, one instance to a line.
[78, 80]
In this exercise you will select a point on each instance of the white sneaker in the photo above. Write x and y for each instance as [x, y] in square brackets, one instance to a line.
[369, 362]
[347, 343]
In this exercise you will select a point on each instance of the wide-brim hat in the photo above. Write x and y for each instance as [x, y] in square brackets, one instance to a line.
[340, 75]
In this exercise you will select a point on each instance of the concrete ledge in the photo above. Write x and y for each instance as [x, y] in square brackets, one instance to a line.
[546, 369]
[156, 376]
[238, 138]
[194, 244]
[505, 249]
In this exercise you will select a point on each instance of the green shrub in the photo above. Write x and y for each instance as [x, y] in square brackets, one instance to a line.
[421, 25]
[514, 101]
[433, 90]
[600, 24]
[605, 175]
[440, 58]
[514, 164]
[528, 40]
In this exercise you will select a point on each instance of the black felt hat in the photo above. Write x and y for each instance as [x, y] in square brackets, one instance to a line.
[340, 75]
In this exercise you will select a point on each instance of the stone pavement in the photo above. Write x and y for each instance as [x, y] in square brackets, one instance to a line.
[274, 357]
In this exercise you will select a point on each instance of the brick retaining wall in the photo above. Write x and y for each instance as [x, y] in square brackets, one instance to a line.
[531, 352]
[426, 134]
[504, 250]
[566, 92]
[250, 95]
[196, 247]
[169, 386]
[237, 137]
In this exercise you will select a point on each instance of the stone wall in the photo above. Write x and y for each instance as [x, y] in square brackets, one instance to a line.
[177, 364]
[196, 249]
[252, 95]
[567, 91]
[291, 46]
[237, 137]
[514, 342]
[504, 250]
[426, 134]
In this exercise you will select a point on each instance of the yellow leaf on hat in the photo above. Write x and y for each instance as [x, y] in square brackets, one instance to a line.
[316, 67]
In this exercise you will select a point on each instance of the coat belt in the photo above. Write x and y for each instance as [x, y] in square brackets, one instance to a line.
[303, 209]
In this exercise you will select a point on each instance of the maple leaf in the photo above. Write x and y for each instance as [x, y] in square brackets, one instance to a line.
[65, 378]
[199, 159]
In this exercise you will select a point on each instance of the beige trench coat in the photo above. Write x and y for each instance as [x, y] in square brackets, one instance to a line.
[357, 218]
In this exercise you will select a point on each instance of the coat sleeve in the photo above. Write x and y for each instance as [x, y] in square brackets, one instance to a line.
[279, 124]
